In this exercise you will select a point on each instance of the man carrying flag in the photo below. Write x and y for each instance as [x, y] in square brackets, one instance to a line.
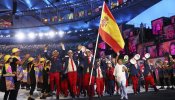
[109, 32]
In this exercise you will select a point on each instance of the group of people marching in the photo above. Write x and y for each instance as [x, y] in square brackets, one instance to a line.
[73, 73]
[166, 72]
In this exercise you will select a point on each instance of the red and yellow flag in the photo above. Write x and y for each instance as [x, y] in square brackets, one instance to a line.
[109, 30]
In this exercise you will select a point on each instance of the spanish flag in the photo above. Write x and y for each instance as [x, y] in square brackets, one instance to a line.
[109, 30]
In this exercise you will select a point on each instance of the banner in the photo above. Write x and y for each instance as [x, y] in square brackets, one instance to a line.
[132, 43]
[167, 47]
[173, 19]
[141, 48]
[127, 33]
[157, 26]
[169, 32]
[152, 50]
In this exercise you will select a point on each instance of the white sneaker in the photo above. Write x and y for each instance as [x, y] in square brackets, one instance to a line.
[121, 98]
[126, 97]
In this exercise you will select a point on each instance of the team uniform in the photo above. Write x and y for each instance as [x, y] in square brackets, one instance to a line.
[45, 89]
[167, 75]
[99, 80]
[55, 72]
[148, 76]
[86, 75]
[135, 75]
[31, 68]
[110, 80]
[17, 79]
[172, 74]
[161, 76]
[9, 80]
[64, 85]
[71, 70]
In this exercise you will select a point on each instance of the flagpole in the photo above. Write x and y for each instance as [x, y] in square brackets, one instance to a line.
[93, 62]
[95, 51]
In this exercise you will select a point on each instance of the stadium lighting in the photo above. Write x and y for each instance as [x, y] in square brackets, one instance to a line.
[1, 36]
[69, 32]
[20, 36]
[61, 33]
[8, 36]
[51, 34]
[31, 35]
[46, 34]
[40, 35]
[89, 29]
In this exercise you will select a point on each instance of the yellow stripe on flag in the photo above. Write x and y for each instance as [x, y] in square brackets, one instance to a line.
[110, 27]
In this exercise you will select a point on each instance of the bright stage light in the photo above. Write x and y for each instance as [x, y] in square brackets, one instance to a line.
[31, 35]
[1, 36]
[69, 32]
[46, 34]
[51, 34]
[8, 36]
[20, 36]
[61, 33]
[89, 29]
[40, 35]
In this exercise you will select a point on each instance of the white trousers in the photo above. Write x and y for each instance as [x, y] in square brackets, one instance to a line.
[123, 90]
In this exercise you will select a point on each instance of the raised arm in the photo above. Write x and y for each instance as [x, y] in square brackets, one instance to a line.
[23, 60]
[117, 57]
[45, 52]
[63, 52]
[81, 50]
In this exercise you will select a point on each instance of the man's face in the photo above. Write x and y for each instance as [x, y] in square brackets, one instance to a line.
[113, 60]
[17, 53]
[172, 49]
[70, 54]
[55, 54]
[120, 61]
[88, 54]
[109, 64]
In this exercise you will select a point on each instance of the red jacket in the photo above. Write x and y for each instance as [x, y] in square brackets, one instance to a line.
[109, 73]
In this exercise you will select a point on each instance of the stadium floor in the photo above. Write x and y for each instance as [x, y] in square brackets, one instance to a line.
[161, 95]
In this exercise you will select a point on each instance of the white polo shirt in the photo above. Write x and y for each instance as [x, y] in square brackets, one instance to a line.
[119, 73]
